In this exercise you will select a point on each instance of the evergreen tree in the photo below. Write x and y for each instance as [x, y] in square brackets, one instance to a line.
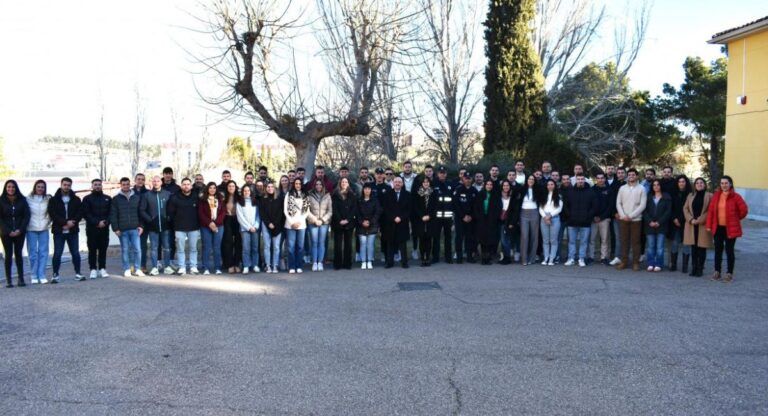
[514, 90]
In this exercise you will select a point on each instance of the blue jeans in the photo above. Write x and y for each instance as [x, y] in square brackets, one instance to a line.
[654, 249]
[582, 235]
[181, 239]
[506, 240]
[549, 233]
[271, 247]
[72, 241]
[37, 247]
[367, 244]
[212, 248]
[559, 242]
[616, 238]
[295, 243]
[129, 244]
[250, 249]
[319, 233]
[160, 238]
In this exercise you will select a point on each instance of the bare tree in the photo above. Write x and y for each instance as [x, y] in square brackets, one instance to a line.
[355, 38]
[199, 162]
[137, 135]
[176, 119]
[446, 95]
[600, 121]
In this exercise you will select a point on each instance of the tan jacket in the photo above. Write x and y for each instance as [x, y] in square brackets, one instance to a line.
[320, 207]
[705, 237]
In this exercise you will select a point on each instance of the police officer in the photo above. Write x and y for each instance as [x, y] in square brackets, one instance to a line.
[463, 200]
[442, 190]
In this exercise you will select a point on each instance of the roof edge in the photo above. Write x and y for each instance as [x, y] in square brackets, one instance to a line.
[739, 32]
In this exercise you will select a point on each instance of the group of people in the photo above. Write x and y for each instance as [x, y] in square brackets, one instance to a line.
[252, 227]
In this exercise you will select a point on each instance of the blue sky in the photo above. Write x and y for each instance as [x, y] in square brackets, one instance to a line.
[63, 59]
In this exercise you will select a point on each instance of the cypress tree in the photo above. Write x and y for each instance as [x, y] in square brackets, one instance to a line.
[514, 89]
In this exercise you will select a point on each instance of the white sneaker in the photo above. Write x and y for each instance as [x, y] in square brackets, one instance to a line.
[650, 268]
[103, 273]
[319, 267]
[79, 277]
[94, 274]
[657, 269]
[218, 271]
[34, 281]
[43, 281]
[139, 273]
[193, 270]
[154, 272]
[615, 261]
[206, 273]
[545, 262]
[246, 270]
[415, 254]
[55, 278]
[274, 270]
[569, 262]
[299, 270]
[370, 265]
[127, 273]
[363, 265]
[551, 262]
[256, 269]
[168, 270]
[182, 271]
[314, 267]
[291, 271]
[581, 263]
[268, 269]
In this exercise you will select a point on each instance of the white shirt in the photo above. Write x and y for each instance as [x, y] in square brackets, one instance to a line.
[505, 203]
[549, 208]
[528, 201]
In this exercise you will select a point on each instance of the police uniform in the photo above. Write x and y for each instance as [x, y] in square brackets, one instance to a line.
[463, 200]
[443, 192]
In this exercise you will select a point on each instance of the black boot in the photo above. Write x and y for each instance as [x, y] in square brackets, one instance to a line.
[686, 257]
[694, 263]
[8, 281]
[701, 261]
[673, 262]
[20, 282]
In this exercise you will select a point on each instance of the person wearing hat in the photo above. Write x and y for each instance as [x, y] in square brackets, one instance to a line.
[443, 192]
[463, 203]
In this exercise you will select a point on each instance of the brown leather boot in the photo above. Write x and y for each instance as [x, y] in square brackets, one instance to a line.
[728, 278]
[636, 267]
[621, 266]
[715, 275]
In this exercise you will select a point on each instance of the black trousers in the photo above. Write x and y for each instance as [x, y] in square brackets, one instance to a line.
[442, 226]
[98, 242]
[465, 239]
[143, 244]
[722, 241]
[390, 255]
[12, 247]
[425, 246]
[698, 257]
[342, 248]
[231, 243]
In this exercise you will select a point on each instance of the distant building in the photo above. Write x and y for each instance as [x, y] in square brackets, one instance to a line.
[746, 125]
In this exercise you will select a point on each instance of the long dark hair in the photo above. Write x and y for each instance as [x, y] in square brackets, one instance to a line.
[542, 200]
[292, 189]
[37, 182]
[688, 189]
[227, 196]
[241, 197]
[17, 195]
[206, 191]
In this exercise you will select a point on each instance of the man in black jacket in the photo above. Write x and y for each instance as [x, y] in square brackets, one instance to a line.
[463, 203]
[153, 212]
[96, 207]
[443, 191]
[397, 211]
[182, 212]
[65, 212]
[581, 205]
[140, 187]
[618, 182]
[126, 223]
[602, 223]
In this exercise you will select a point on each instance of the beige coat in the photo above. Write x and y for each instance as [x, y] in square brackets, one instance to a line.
[705, 237]
[320, 207]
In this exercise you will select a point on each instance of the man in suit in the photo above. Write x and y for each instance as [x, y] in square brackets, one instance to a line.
[397, 211]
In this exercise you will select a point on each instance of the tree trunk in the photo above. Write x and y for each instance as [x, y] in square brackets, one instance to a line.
[306, 152]
[714, 160]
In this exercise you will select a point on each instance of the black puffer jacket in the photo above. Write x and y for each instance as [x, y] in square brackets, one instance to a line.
[96, 208]
[182, 212]
[581, 205]
[14, 215]
[124, 214]
[60, 214]
[344, 209]
[368, 210]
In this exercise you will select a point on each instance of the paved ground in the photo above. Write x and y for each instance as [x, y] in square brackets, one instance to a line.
[495, 340]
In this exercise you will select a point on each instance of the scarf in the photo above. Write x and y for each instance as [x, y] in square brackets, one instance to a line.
[698, 203]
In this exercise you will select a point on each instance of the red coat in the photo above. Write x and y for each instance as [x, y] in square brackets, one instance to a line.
[204, 213]
[735, 211]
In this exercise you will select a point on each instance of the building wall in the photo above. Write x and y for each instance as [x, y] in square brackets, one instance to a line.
[746, 130]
